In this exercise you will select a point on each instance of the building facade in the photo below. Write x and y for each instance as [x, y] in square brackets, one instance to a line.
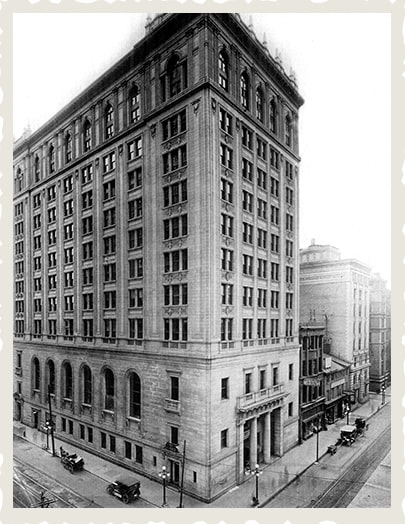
[156, 258]
[380, 334]
[339, 291]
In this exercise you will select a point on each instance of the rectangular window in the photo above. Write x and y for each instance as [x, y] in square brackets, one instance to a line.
[135, 328]
[90, 434]
[225, 121]
[274, 187]
[175, 159]
[262, 297]
[174, 435]
[261, 178]
[247, 265]
[128, 449]
[82, 431]
[52, 215]
[226, 328]
[109, 162]
[248, 382]
[175, 261]
[109, 217]
[52, 237]
[224, 388]
[289, 196]
[227, 294]
[226, 225]
[262, 379]
[247, 324]
[261, 268]
[110, 272]
[68, 184]
[112, 444]
[226, 190]
[247, 233]
[176, 329]
[224, 438]
[87, 225]
[68, 208]
[175, 193]
[226, 156]
[87, 275]
[274, 158]
[289, 222]
[87, 199]
[109, 190]
[261, 328]
[174, 388]
[103, 439]
[227, 259]
[289, 248]
[87, 250]
[87, 174]
[175, 227]
[87, 301]
[275, 243]
[110, 299]
[261, 149]
[110, 325]
[247, 201]
[247, 298]
[262, 238]
[135, 238]
[174, 125]
[247, 137]
[134, 148]
[138, 454]
[290, 371]
[135, 178]
[275, 299]
[290, 409]
[247, 170]
[136, 268]
[110, 244]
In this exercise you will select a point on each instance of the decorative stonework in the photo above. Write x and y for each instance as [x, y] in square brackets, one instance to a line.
[173, 142]
[213, 104]
[153, 130]
[196, 105]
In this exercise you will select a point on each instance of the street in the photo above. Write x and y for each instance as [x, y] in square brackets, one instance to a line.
[329, 484]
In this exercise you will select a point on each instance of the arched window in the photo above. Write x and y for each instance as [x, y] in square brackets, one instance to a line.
[19, 180]
[259, 104]
[223, 70]
[244, 90]
[134, 395]
[37, 169]
[134, 104]
[51, 377]
[68, 147]
[109, 388]
[273, 116]
[36, 377]
[67, 381]
[87, 135]
[51, 156]
[177, 75]
[288, 130]
[87, 385]
[109, 121]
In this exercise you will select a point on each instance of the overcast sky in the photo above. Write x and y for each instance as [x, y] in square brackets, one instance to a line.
[342, 62]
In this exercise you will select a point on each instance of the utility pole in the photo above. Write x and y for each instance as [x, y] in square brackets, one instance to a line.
[182, 475]
[51, 420]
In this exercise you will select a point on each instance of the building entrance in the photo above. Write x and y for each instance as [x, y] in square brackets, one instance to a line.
[174, 470]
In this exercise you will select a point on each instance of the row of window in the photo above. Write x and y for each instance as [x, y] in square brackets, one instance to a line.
[227, 328]
[259, 105]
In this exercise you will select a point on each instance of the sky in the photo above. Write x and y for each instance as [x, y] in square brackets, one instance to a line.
[342, 63]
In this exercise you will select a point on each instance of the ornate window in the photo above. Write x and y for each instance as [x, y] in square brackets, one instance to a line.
[223, 70]
[36, 376]
[273, 115]
[244, 90]
[87, 385]
[175, 79]
[68, 147]
[87, 135]
[134, 104]
[109, 389]
[51, 377]
[51, 156]
[109, 121]
[37, 168]
[67, 381]
[288, 130]
[259, 104]
[134, 395]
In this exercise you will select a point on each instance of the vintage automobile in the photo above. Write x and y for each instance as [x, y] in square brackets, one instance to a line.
[71, 461]
[125, 488]
[361, 425]
[348, 434]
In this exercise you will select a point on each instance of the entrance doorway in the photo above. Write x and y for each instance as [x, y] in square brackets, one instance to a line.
[174, 470]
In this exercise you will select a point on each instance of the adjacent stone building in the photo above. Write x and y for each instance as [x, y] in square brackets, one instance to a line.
[339, 291]
[380, 333]
[156, 258]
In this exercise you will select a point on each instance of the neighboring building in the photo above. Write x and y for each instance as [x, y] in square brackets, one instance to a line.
[336, 383]
[338, 290]
[380, 334]
[156, 258]
[312, 394]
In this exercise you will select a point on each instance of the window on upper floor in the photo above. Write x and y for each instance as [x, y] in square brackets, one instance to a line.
[134, 102]
[244, 90]
[37, 168]
[86, 135]
[273, 115]
[259, 104]
[175, 79]
[51, 159]
[68, 147]
[108, 121]
[288, 130]
[223, 70]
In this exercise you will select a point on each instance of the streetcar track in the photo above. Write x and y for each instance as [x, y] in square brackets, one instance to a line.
[46, 488]
[360, 471]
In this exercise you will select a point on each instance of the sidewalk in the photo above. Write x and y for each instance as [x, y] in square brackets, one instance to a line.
[273, 479]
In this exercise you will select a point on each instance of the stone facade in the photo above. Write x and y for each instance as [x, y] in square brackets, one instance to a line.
[156, 258]
[380, 334]
[339, 292]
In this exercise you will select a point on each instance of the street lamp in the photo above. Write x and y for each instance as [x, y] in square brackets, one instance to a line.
[164, 475]
[383, 394]
[317, 441]
[347, 413]
[256, 472]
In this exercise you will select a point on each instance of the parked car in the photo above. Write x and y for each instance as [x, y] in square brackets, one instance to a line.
[348, 434]
[71, 461]
[126, 489]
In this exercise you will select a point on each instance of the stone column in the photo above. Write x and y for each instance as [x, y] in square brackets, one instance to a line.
[267, 438]
[253, 443]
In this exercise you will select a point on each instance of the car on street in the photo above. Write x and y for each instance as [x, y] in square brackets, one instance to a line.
[125, 488]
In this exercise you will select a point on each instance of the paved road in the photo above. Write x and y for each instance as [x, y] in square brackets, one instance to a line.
[308, 488]
[79, 490]
[345, 488]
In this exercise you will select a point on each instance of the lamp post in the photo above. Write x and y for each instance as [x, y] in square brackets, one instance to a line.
[317, 441]
[383, 394]
[347, 413]
[256, 472]
[164, 475]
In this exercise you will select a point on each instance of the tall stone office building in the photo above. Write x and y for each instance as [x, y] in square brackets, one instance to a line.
[339, 292]
[156, 258]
